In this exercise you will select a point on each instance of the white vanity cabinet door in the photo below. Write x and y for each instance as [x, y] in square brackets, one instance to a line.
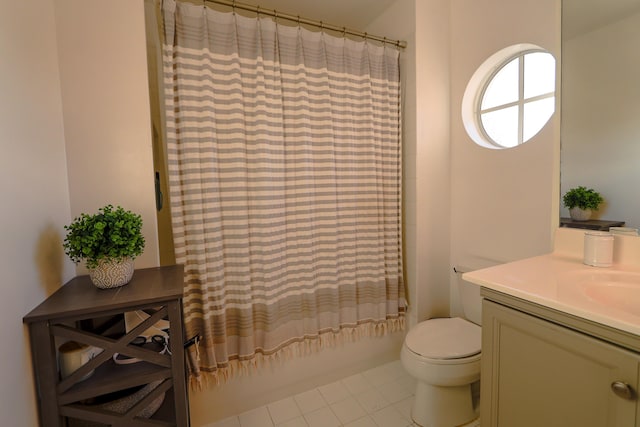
[536, 373]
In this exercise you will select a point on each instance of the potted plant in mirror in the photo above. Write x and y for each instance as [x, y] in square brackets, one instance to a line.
[581, 201]
[108, 242]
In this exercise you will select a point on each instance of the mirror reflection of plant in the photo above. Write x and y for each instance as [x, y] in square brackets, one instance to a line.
[113, 234]
[583, 198]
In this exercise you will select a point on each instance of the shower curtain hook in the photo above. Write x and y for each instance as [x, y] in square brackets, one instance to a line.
[258, 11]
[344, 32]
[298, 20]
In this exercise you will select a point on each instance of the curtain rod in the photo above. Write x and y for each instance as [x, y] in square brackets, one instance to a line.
[269, 12]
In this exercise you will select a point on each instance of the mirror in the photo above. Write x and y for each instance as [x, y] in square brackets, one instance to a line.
[600, 104]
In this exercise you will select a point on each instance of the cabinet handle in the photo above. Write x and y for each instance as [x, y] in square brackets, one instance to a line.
[623, 390]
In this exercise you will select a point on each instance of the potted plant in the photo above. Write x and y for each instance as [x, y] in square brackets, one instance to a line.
[108, 242]
[581, 201]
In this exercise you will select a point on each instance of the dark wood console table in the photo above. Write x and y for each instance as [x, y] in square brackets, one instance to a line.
[591, 224]
[61, 317]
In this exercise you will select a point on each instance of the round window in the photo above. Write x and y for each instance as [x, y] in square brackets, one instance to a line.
[510, 97]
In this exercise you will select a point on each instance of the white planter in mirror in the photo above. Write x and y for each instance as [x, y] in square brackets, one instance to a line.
[578, 214]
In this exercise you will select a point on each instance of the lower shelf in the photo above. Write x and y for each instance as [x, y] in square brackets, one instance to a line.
[152, 404]
[166, 413]
[109, 378]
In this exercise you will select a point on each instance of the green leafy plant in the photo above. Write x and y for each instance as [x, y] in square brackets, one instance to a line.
[112, 234]
[583, 198]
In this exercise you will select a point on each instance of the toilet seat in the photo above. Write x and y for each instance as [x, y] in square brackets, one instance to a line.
[445, 339]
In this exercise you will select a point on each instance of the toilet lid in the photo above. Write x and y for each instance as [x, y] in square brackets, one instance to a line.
[447, 338]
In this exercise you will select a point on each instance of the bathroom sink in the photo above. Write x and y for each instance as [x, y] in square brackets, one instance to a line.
[621, 296]
[617, 290]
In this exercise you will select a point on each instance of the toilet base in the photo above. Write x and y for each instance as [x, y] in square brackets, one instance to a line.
[436, 406]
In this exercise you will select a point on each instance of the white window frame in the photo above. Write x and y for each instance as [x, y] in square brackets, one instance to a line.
[478, 84]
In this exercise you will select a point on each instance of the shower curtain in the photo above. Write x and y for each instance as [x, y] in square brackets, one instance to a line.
[284, 163]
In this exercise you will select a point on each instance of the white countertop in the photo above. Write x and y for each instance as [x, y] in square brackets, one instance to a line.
[610, 296]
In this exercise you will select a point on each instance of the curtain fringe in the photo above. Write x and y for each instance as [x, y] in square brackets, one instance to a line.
[236, 368]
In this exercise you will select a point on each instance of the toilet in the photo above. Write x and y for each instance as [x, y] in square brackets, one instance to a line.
[443, 355]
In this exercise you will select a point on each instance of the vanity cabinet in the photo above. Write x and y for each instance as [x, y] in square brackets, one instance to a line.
[69, 314]
[542, 367]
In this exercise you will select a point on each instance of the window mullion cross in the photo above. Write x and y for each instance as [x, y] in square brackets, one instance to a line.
[521, 99]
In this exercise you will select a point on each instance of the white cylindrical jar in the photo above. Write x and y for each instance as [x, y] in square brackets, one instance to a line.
[73, 355]
[598, 248]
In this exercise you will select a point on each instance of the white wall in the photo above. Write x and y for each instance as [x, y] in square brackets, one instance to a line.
[105, 94]
[600, 128]
[94, 98]
[432, 159]
[504, 203]
[33, 187]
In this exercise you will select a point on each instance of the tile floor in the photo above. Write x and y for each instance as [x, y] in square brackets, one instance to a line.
[378, 397]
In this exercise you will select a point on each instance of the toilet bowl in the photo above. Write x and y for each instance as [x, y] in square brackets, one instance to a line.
[443, 355]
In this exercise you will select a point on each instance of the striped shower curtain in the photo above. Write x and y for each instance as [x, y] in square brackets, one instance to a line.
[284, 161]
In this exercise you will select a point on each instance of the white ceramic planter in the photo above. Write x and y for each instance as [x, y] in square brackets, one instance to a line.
[578, 214]
[112, 273]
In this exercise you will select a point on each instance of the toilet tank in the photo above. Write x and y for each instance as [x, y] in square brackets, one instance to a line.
[470, 300]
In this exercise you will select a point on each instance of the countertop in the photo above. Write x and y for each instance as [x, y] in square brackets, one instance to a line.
[559, 280]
